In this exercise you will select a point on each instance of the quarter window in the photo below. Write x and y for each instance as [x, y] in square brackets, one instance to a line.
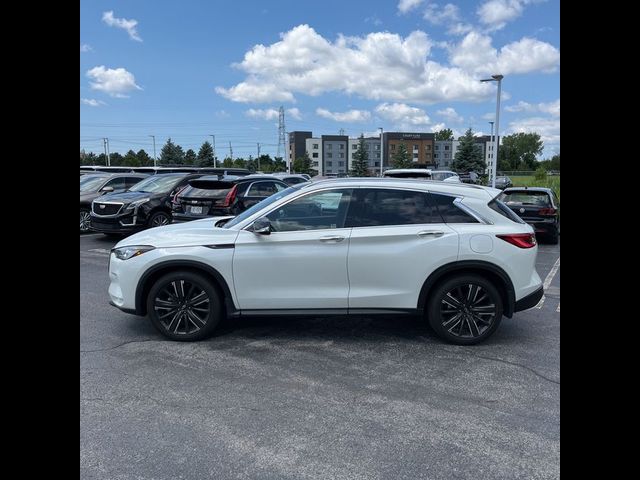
[449, 211]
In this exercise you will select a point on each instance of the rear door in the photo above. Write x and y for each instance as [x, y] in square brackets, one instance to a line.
[398, 239]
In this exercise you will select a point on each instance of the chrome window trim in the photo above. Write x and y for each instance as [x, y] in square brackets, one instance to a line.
[465, 208]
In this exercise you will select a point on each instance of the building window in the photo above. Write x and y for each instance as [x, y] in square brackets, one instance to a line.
[416, 147]
[355, 146]
[341, 164]
[446, 147]
[435, 155]
[342, 146]
[315, 164]
[329, 155]
[315, 154]
[341, 155]
[377, 164]
[315, 146]
[329, 164]
[378, 155]
[428, 147]
[428, 156]
[329, 146]
[437, 147]
[393, 146]
[377, 147]
[446, 155]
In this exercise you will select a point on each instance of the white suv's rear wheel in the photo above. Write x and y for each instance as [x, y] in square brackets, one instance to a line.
[184, 306]
[465, 309]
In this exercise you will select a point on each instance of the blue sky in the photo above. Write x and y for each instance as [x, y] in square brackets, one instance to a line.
[190, 69]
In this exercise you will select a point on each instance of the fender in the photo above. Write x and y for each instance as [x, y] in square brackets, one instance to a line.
[477, 266]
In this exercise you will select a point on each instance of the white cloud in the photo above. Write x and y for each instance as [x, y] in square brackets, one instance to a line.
[476, 54]
[405, 6]
[552, 108]
[459, 29]
[451, 115]
[92, 102]
[437, 127]
[123, 23]
[350, 116]
[115, 82]
[272, 113]
[495, 14]
[403, 115]
[438, 15]
[489, 116]
[85, 47]
[379, 66]
[548, 128]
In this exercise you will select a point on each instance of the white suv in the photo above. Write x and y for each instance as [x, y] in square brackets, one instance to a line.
[452, 252]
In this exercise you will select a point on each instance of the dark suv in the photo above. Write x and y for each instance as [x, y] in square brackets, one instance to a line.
[147, 204]
[211, 196]
[95, 185]
[539, 207]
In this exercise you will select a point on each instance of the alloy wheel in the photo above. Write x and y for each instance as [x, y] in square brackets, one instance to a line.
[85, 220]
[159, 220]
[182, 307]
[467, 311]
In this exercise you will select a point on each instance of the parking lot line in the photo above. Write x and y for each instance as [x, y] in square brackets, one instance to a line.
[558, 309]
[548, 279]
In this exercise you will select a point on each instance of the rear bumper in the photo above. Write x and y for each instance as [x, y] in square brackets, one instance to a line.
[529, 301]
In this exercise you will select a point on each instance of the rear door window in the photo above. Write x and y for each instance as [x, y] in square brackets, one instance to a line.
[379, 207]
[263, 189]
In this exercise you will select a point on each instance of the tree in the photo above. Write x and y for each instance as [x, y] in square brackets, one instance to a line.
[116, 159]
[444, 134]
[190, 157]
[101, 159]
[171, 154]
[303, 165]
[401, 158]
[205, 155]
[144, 160]
[131, 159]
[519, 151]
[279, 165]
[88, 158]
[469, 157]
[265, 163]
[360, 162]
[227, 162]
[239, 163]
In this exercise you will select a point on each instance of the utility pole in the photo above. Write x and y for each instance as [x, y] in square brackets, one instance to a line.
[381, 151]
[106, 150]
[214, 149]
[258, 157]
[155, 159]
[230, 150]
[282, 138]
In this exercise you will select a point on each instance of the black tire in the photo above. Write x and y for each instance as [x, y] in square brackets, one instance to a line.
[476, 319]
[177, 318]
[158, 219]
[85, 220]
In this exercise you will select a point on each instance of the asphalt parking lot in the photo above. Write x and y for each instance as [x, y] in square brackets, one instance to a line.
[339, 398]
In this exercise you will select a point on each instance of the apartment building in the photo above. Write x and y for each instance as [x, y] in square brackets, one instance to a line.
[313, 147]
[419, 145]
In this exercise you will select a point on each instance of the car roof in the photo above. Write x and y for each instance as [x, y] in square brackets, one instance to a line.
[528, 189]
[435, 186]
[408, 170]
[237, 179]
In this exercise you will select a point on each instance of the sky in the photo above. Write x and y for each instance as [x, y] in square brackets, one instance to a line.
[191, 69]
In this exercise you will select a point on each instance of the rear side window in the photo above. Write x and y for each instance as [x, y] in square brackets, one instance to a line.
[498, 206]
[190, 191]
[449, 211]
[379, 207]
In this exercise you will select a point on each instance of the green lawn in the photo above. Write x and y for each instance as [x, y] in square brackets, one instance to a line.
[552, 182]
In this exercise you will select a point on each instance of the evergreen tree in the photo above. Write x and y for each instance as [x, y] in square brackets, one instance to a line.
[239, 163]
[205, 156]
[227, 163]
[171, 154]
[144, 160]
[116, 159]
[401, 158]
[190, 157]
[360, 163]
[130, 159]
[303, 164]
[469, 156]
[279, 165]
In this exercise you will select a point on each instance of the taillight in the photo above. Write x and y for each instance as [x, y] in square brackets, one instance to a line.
[547, 212]
[175, 200]
[520, 240]
[231, 196]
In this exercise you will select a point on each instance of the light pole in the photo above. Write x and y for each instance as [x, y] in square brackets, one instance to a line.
[381, 151]
[155, 161]
[213, 137]
[491, 143]
[496, 78]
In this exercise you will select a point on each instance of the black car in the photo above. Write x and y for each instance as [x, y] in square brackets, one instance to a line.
[537, 206]
[95, 185]
[211, 196]
[146, 204]
[503, 182]
[291, 179]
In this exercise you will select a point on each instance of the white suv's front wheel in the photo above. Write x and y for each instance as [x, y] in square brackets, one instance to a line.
[184, 306]
[465, 309]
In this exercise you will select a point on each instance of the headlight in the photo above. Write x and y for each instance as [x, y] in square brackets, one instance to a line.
[137, 203]
[125, 253]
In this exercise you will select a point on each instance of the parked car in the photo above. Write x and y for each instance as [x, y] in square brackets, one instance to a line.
[421, 173]
[96, 184]
[146, 204]
[210, 195]
[469, 177]
[503, 182]
[455, 254]
[445, 176]
[537, 206]
[291, 178]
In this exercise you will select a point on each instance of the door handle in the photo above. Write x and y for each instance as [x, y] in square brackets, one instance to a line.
[332, 238]
[430, 233]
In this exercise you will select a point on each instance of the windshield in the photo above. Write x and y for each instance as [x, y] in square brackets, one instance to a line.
[157, 184]
[540, 199]
[90, 183]
[263, 204]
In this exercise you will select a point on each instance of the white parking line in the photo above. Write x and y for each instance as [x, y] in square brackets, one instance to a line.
[548, 279]
[558, 309]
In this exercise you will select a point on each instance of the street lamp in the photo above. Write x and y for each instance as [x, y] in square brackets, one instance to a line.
[496, 78]
[155, 161]
[491, 143]
[381, 151]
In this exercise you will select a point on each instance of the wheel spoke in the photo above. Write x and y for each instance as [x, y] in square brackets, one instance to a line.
[199, 299]
[481, 320]
[451, 301]
[452, 320]
[195, 319]
[473, 326]
[175, 317]
[484, 295]
[171, 312]
[484, 309]
[165, 303]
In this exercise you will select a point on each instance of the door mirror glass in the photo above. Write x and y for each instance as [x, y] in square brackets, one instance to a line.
[262, 226]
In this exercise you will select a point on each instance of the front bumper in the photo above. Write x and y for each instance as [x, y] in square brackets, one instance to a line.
[128, 223]
[529, 301]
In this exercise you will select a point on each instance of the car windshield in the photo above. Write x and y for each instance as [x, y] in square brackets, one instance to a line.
[90, 183]
[263, 204]
[156, 184]
[526, 198]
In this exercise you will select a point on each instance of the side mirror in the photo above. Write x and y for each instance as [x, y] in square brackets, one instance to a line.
[106, 189]
[262, 226]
